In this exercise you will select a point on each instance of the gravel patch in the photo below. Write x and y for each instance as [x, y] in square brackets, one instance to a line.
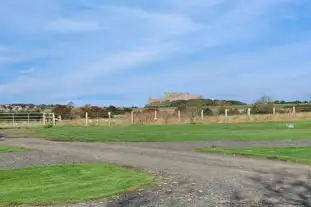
[185, 178]
[188, 145]
[2, 137]
[32, 158]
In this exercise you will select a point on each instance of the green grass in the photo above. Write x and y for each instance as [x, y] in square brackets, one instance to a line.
[11, 149]
[295, 154]
[185, 132]
[67, 183]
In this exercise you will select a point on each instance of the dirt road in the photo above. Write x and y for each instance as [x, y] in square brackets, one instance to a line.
[190, 179]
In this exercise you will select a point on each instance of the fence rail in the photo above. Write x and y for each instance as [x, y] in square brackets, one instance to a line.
[21, 119]
[145, 117]
[156, 116]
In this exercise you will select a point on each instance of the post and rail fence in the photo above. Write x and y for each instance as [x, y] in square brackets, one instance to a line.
[22, 119]
[25, 119]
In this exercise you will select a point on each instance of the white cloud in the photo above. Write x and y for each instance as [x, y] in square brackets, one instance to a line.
[72, 26]
[2, 48]
[83, 80]
[254, 71]
[194, 5]
[27, 71]
[5, 59]
[136, 38]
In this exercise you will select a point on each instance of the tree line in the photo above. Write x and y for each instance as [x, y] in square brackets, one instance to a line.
[70, 112]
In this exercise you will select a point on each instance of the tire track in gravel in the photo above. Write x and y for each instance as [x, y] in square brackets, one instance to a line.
[188, 145]
[204, 179]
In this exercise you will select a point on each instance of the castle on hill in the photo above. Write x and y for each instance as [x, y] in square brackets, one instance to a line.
[172, 96]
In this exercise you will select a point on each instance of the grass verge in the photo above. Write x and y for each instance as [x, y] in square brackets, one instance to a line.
[12, 149]
[293, 154]
[67, 183]
[184, 132]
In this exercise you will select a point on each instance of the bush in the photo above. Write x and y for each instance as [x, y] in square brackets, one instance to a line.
[231, 111]
[262, 109]
[181, 108]
[303, 108]
[150, 109]
[48, 126]
[208, 112]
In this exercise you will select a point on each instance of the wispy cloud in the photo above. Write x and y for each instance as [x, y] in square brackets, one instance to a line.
[2, 48]
[5, 59]
[72, 26]
[160, 24]
[27, 71]
[218, 48]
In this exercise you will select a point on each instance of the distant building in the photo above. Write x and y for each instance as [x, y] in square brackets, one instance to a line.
[172, 96]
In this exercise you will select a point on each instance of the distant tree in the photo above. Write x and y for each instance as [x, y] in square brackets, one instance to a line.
[208, 112]
[209, 102]
[263, 105]
[112, 109]
[62, 110]
[94, 111]
[127, 110]
[181, 108]
[264, 100]
[71, 104]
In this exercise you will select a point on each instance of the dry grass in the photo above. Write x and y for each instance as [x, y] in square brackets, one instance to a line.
[172, 118]
[257, 118]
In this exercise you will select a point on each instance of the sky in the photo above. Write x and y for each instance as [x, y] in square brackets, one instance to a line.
[120, 52]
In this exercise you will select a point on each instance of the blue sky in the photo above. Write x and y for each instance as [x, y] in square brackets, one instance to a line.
[121, 52]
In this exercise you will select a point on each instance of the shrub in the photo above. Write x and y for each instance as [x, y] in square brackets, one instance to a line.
[48, 126]
[231, 111]
[262, 109]
[303, 108]
[208, 112]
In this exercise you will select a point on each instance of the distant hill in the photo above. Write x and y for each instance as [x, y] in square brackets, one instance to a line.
[195, 103]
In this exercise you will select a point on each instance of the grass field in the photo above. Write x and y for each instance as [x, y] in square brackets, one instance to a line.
[295, 154]
[185, 132]
[11, 149]
[67, 183]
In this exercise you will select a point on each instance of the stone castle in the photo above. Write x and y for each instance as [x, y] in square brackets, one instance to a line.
[172, 96]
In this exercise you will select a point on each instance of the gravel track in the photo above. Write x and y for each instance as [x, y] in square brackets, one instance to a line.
[189, 178]
[188, 145]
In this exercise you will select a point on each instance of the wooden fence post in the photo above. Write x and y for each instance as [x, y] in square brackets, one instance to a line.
[179, 117]
[44, 118]
[109, 118]
[86, 119]
[53, 117]
[28, 118]
[226, 115]
[13, 119]
[274, 111]
[202, 114]
[132, 117]
[249, 111]
[294, 110]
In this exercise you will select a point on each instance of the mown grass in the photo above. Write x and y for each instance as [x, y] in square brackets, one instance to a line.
[185, 132]
[294, 154]
[12, 149]
[67, 183]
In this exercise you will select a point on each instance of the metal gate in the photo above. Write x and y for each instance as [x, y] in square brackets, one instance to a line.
[21, 119]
